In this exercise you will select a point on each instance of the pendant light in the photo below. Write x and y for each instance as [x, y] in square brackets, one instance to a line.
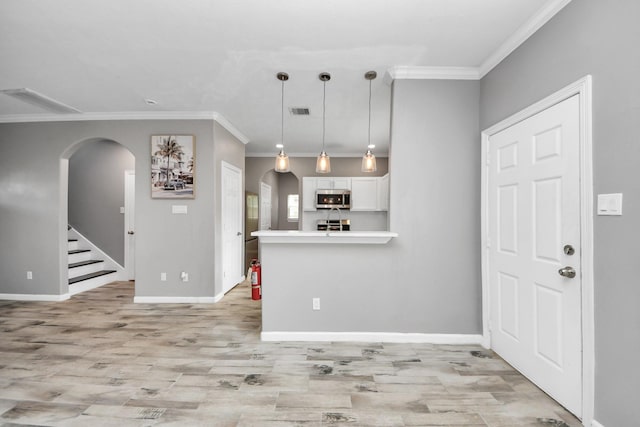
[323, 163]
[282, 160]
[369, 160]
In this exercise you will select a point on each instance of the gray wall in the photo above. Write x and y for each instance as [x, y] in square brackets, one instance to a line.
[598, 38]
[428, 279]
[34, 206]
[434, 174]
[287, 184]
[96, 193]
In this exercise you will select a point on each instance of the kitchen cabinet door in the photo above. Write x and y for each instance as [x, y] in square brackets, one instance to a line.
[309, 186]
[342, 183]
[383, 193]
[364, 194]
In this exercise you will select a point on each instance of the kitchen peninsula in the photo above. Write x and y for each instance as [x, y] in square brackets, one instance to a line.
[310, 279]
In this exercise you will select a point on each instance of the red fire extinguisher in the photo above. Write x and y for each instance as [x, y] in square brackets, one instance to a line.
[256, 280]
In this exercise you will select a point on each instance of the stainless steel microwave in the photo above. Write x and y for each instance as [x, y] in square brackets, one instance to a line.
[331, 199]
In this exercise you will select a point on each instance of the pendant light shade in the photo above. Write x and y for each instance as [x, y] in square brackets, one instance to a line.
[323, 162]
[369, 160]
[282, 160]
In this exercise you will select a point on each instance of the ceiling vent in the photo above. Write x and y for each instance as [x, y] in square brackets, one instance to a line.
[299, 111]
[39, 100]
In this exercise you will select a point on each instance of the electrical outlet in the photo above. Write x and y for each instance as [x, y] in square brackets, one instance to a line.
[163, 277]
[184, 276]
[316, 303]
[29, 275]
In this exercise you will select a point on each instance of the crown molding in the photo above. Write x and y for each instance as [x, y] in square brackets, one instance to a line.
[231, 128]
[543, 16]
[128, 115]
[314, 155]
[431, 73]
[548, 11]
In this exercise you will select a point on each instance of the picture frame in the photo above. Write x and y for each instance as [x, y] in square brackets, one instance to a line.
[173, 160]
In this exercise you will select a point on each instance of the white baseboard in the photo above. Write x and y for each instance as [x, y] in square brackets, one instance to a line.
[176, 300]
[594, 423]
[34, 297]
[390, 337]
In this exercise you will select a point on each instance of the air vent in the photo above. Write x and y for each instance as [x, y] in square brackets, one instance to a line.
[39, 100]
[299, 111]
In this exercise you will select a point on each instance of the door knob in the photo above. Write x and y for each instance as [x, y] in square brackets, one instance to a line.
[567, 272]
[238, 234]
[130, 232]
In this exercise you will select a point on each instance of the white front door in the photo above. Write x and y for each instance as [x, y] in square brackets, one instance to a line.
[533, 235]
[232, 239]
[130, 224]
[265, 206]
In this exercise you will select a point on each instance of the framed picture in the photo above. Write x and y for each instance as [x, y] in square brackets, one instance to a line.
[173, 160]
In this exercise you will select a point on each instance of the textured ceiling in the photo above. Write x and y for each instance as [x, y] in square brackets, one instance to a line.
[222, 56]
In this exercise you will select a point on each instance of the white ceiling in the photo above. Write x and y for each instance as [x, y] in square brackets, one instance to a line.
[222, 56]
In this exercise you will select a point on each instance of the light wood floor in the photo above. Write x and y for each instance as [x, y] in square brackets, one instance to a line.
[100, 360]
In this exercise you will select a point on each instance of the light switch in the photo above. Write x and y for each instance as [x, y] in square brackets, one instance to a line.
[178, 209]
[121, 209]
[610, 204]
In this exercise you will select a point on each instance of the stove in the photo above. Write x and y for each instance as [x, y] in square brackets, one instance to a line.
[333, 225]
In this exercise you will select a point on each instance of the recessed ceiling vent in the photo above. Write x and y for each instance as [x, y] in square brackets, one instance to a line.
[299, 111]
[39, 100]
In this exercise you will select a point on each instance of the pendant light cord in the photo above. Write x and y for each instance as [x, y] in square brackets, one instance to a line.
[324, 97]
[369, 135]
[282, 117]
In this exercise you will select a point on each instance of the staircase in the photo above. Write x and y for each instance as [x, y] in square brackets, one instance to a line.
[85, 271]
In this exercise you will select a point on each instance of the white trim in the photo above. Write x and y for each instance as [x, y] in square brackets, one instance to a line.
[314, 155]
[231, 128]
[110, 263]
[34, 297]
[543, 16]
[594, 423]
[435, 73]
[392, 337]
[128, 115]
[177, 300]
[583, 88]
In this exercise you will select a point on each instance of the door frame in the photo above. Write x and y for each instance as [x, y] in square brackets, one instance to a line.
[129, 223]
[223, 203]
[583, 88]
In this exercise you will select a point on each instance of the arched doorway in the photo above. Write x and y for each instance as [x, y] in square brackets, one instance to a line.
[282, 208]
[97, 195]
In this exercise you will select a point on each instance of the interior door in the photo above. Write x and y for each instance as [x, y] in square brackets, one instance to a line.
[534, 237]
[130, 224]
[232, 239]
[265, 206]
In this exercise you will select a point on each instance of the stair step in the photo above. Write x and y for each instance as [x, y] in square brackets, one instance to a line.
[83, 263]
[90, 276]
[78, 251]
[72, 240]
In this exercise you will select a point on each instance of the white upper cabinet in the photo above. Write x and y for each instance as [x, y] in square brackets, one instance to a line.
[364, 194]
[309, 186]
[367, 193]
[333, 183]
[383, 193]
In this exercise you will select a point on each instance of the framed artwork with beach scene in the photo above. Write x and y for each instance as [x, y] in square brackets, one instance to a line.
[173, 162]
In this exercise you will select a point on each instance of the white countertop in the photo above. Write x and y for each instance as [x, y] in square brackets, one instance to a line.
[295, 236]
